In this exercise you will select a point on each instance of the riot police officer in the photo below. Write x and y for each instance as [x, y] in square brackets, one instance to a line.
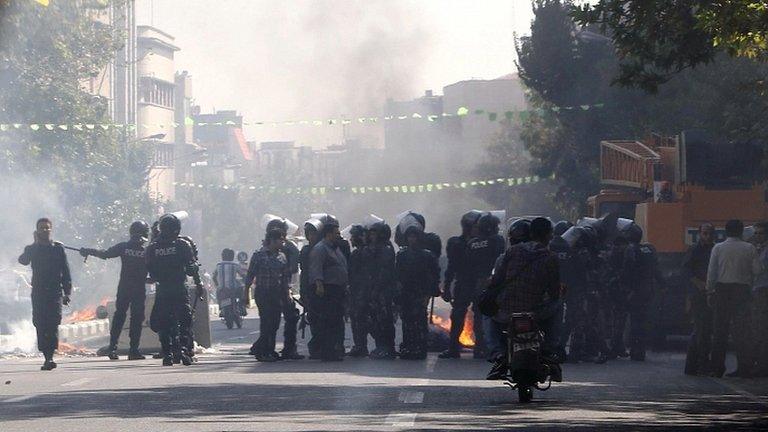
[380, 273]
[131, 290]
[458, 272]
[289, 310]
[360, 291]
[639, 273]
[312, 229]
[170, 260]
[328, 274]
[419, 275]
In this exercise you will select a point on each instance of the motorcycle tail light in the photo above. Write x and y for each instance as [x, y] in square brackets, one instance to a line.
[522, 326]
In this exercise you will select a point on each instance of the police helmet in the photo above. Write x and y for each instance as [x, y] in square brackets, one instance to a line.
[519, 231]
[488, 224]
[169, 225]
[561, 227]
[469, 219]
[357, 230]
[280, 224]
[139, 229]
[328, 222]
[632, 233]
[381, 230]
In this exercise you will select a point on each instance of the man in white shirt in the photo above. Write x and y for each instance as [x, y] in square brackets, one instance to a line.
[733, 266]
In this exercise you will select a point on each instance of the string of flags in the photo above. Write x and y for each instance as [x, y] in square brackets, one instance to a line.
[360, 190]
[189, 121]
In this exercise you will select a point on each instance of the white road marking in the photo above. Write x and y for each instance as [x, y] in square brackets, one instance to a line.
[19, 398]
[431, 362]
[411, 397]
[76, 383]
[401, 420]
[254, 332]
[741, 391]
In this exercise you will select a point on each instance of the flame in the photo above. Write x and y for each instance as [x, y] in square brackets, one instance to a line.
[65, 348]
[467, 336]
[86, 314]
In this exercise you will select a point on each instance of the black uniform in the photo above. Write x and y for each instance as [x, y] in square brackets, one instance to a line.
[131, 292]
[419, 275]
[695, 265]
[382, 277]
[459, 271]
[169, 262]
[360, 293]
[287, 304]
[50, 280]
[639, 272]
[481, 255]
[584, 306]
[308, 298]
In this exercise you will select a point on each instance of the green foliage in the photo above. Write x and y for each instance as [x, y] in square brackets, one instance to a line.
[657, 39]
[727, 97]
[46, 54]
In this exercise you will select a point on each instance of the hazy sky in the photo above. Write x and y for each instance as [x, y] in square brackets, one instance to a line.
[296, 59]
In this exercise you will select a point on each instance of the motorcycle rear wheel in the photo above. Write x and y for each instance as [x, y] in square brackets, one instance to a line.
[524, 394]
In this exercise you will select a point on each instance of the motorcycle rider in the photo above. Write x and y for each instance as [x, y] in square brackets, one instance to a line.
[131, 289]
[419, 275]
[519, 232]
[531, 277]
[360, 292]
[460, 272]
[228, 278]
[170, 259]
[382, 277]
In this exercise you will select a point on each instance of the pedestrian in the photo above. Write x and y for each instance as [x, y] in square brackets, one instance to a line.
[51, 287]
[732, 268]
[458, 289]
[329, 276]
[760, 240]
[131, 289]
[270, 274]
[419, 275]
[695, 267]
[170, 260]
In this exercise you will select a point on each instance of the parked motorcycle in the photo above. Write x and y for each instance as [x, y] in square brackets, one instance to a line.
[527, 367]
[231, 310]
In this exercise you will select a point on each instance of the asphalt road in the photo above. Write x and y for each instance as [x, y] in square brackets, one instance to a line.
[229, 391]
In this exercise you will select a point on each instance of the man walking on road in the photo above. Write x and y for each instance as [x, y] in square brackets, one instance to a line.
[51, 287]
[733, 266]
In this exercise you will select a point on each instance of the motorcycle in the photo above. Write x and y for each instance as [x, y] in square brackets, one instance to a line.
[231, 310]
[527, 367]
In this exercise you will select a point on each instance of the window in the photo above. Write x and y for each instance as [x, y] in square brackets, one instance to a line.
[163, 155]
[157, 92]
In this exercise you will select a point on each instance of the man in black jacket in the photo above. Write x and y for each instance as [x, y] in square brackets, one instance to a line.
[170, 259]
[131, 292]
[695, 266]
[51, 287]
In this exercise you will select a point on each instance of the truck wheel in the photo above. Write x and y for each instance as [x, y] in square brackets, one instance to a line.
[525, 394]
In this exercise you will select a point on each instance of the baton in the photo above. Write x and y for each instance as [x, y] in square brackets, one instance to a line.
[432, 311]
[76, 250]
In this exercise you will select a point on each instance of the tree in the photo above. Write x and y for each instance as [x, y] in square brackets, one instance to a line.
[728, 98]
[91, 185]
[657, 39]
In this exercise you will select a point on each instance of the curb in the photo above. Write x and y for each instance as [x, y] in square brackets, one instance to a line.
[85, 329]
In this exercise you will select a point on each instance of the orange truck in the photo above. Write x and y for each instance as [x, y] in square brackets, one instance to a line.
[670, 186]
